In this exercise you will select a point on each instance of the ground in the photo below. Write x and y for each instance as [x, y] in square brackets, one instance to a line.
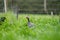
[46, 27]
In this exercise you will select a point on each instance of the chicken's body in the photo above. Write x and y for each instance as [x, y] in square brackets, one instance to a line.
[30, 24]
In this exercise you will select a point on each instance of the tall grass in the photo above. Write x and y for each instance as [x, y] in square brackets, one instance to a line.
[46, 27]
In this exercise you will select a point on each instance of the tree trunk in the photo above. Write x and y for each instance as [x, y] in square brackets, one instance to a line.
[45, 6]
[5, 6]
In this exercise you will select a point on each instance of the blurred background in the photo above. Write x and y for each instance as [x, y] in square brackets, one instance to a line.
[31, 6]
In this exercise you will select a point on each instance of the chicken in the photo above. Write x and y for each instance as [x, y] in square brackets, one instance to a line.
[2, 19]
[30, 24]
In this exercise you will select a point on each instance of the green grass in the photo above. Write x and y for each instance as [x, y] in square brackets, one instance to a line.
[46, 27]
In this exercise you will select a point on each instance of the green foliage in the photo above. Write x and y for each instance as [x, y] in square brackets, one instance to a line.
[46, 27]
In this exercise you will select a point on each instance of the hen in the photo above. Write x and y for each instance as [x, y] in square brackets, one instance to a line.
[30, 24]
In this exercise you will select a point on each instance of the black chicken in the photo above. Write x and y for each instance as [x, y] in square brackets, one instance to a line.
[30, 24]
[2, 19]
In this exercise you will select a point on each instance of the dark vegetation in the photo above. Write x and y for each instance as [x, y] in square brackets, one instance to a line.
[2, 19]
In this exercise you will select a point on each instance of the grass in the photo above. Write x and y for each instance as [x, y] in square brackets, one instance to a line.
[46, 27]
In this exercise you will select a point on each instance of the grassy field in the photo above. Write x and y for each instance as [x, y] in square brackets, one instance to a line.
[46, 27]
